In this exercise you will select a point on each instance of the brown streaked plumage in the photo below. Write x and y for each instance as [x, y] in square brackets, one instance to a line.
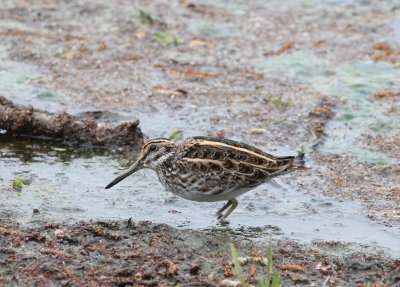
[210, 169]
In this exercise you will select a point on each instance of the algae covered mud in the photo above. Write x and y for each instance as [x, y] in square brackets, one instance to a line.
[316, 75]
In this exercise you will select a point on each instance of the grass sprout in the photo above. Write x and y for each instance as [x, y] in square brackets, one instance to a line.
[270, 279]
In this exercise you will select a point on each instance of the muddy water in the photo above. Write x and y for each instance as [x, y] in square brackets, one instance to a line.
[353, 84]
[396, 25]
[120, 70]
[65, 187]
[17, 79]
[22, 82]
[68, 186]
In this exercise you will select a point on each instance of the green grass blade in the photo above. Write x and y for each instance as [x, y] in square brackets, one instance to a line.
[268, 267]
[276, 280]
[261, 282]
[238, 268]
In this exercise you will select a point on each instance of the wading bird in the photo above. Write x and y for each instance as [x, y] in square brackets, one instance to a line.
[206, 169]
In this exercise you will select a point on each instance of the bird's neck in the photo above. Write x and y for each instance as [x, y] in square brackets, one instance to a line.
[166, 163]
[164, 171]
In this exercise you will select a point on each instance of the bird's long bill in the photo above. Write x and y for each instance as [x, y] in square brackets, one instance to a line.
[136, 166]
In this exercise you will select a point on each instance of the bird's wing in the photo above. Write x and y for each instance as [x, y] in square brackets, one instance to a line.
[245, 164]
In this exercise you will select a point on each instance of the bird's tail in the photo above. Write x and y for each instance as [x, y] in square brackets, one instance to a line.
[299, 162]
[298, 168]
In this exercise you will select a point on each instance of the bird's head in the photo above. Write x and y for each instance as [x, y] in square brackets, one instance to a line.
[153, 154]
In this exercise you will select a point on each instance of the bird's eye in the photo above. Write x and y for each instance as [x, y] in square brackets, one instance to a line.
[153, 148]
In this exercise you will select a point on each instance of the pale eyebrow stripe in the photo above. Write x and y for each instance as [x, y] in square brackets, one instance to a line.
[211, 143]
[156, 141]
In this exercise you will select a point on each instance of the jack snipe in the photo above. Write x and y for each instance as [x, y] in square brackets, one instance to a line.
[210, 169]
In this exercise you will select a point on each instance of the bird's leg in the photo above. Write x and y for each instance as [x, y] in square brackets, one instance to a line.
[233, 203]
[226, 205]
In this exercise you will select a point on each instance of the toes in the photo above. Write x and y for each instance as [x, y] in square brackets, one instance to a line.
[224, 221]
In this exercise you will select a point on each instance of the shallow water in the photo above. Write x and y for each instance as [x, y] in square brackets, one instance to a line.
[67, 189]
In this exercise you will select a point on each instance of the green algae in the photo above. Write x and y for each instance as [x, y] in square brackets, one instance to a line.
[18, 184]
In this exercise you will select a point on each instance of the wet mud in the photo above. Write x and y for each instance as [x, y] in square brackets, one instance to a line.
[25, 121]
[126, 253]
[316, 76]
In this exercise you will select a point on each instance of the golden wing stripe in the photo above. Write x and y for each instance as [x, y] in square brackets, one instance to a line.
[220, 144]
[202, 160]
